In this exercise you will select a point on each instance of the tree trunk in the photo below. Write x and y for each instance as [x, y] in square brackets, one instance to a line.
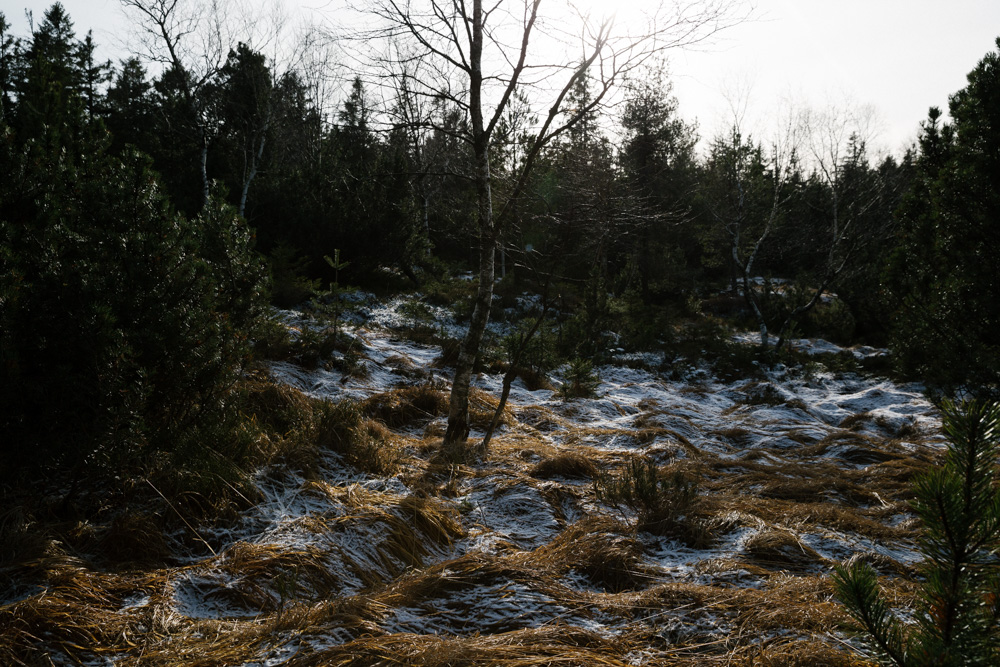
[458, 412]
[515, 361]
[205, 194]
[255, 158]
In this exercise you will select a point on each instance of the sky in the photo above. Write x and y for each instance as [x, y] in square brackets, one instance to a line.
[899, 56]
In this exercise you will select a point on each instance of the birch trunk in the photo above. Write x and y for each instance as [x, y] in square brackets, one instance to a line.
[457, 434]
[203, 166]
[255, 158]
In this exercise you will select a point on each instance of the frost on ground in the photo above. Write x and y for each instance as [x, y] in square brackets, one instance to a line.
[515, 559]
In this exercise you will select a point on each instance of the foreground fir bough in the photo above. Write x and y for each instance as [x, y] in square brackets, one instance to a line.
[958, 620]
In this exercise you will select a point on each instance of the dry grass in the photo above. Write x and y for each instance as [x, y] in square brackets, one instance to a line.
[761, 596]
[77, 614]
[600, 549]
[415, 406]
[531, 647]
[20, 537]
[407, 406]
[365, 443]
[797, 653]
[570, 465]
[135, 537]
[782, 550]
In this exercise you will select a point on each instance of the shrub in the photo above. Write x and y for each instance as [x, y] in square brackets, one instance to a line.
[537, 359]
[832, 321]
[364, 443]
[124, 324]
[570, 465]
[958, 617]
[290, 285]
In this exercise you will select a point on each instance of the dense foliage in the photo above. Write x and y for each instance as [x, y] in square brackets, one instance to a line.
[959, 505]
[124, 323]
[946, 270]
[130, 281]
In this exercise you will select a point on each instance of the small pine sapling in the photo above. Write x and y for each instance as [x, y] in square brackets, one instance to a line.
[958, 617]
[581, 380]
[335, 291]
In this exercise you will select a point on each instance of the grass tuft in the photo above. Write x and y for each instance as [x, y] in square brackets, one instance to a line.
[570, 465]
[668, 503]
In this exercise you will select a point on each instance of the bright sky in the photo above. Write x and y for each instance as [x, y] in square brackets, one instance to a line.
[900, 56]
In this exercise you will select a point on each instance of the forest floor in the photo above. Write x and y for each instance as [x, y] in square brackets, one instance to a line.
[526, 555]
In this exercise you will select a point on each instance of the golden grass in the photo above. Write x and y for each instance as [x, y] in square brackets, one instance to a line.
[407, 406]
[364, 443]
[278, 407]
[531, 647]
[599, 548]
[782, 550]
[77, 614]
[402, 550]
[796, 653]
[571, 465]
[483, 405]
[265, 576]
[135, 537]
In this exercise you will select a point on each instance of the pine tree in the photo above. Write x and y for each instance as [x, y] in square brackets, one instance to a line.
[945, 272]
[658, 161]
[124, 324]
[49, 80]
[129, 109]
[958, 618]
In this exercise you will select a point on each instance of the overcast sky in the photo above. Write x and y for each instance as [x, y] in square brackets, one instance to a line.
[900, 56]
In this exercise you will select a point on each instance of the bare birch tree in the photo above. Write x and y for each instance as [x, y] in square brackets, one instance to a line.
[752, 189]
[756, 190]
[199, 40]
[477, 55]
[193, 40]
[837, 139]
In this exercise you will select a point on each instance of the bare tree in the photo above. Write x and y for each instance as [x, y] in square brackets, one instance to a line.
[756, 190]
[478, 55]
[837, 140]
[752, 189]
[197, 41]
[193, 40]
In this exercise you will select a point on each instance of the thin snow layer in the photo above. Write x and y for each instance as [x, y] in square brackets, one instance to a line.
[485, 608]
[814, 346]
[351, 525]
[768, 412]
[501, 509]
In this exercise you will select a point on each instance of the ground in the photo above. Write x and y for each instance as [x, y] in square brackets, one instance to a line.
[540, 550]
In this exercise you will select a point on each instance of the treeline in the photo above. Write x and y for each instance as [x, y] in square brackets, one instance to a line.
[134, 206]
[626, 193]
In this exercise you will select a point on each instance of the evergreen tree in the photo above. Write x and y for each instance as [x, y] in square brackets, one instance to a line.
[958, 619]
[93, 75]
[945, 274]
[129, 111]
[124, 324]
[48, 85]
[7, 64]
[245, 95]
[658, 161]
